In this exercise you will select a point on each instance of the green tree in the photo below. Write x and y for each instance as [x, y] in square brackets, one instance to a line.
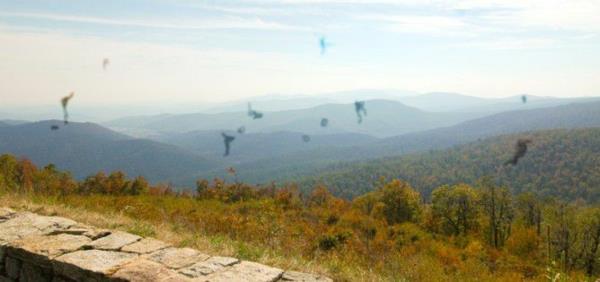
[498, 207]
[139, 186]
[455, 207]
[529, 211]
[562, 232]
[402, 202]
[588, 222]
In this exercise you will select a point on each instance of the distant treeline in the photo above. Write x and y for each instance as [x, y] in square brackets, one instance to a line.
[559, 163]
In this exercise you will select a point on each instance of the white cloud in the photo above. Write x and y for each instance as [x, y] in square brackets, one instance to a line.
[571, 15]
[39, 67]
[511, 44]
[436, 25]
[223, 23]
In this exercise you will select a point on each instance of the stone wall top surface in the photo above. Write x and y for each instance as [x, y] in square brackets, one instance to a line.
[47, 248]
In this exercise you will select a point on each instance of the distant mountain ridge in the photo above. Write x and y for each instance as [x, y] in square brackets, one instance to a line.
[86, 148]
[293, 166]
[261, 157]
[384, 118]
[254, 146]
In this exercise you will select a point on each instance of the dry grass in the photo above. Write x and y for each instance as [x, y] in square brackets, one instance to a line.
[417, 262]
[173, 234]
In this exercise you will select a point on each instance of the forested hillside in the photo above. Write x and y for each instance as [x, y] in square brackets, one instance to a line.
[561, 163]
[86, 148]
[292, 166]
[478, 232]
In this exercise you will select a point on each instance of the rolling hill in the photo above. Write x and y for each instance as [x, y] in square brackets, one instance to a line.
[561, 163]
[294, 166]
[455, 102]
[254, 146]
[261, 157]
[385, 118]
[86, 148]
[430, 102]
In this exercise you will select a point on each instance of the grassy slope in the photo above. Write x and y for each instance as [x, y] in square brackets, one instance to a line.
[177, 221]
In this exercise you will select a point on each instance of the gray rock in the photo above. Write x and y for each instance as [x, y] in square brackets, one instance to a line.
[113, 242]
[84, 230]
[208, 266]
[45, 248]
[177, 258]
[17, 227]
[145, 246]
[304, 277]
[13, 267]
[143, 270]
[39, 249]
[27, 224]
[90, 264]
[6, 214]
[246, 271]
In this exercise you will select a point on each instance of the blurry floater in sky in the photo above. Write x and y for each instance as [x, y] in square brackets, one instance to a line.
[105, 63]
[520, 151]
[254, 114]
[227, 139]
[323, 44]
[65, 102]
[324, 122]
[305, 138]
[359, 107]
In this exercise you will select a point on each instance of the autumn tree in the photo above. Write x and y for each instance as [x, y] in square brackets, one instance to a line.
[202, 186]
[8, 172]
[562, 232]
[402, 202]
[139, 186]
[455, 207]
[320, 196]
[498, 208]
[25, 174]
[529, 210]
[588, 223]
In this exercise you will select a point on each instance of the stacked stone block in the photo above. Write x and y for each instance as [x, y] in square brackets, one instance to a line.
[55, 249]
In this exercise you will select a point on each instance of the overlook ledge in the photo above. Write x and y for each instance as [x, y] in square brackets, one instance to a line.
[48, 248]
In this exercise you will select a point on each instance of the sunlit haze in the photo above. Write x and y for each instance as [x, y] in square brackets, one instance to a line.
[170, 52]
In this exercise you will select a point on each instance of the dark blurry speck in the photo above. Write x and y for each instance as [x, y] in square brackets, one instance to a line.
[324, 122]
[227, 139]
[520, 151]
[105, 63]
[323, 44]
[65, 102]
[254, 114]
[359, 107]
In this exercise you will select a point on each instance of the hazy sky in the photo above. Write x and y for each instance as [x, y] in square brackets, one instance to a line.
[193, 51]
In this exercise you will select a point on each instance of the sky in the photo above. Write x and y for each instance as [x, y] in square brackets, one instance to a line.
[185, 51]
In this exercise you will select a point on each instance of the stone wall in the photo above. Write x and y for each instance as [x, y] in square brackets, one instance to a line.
[46, 248]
